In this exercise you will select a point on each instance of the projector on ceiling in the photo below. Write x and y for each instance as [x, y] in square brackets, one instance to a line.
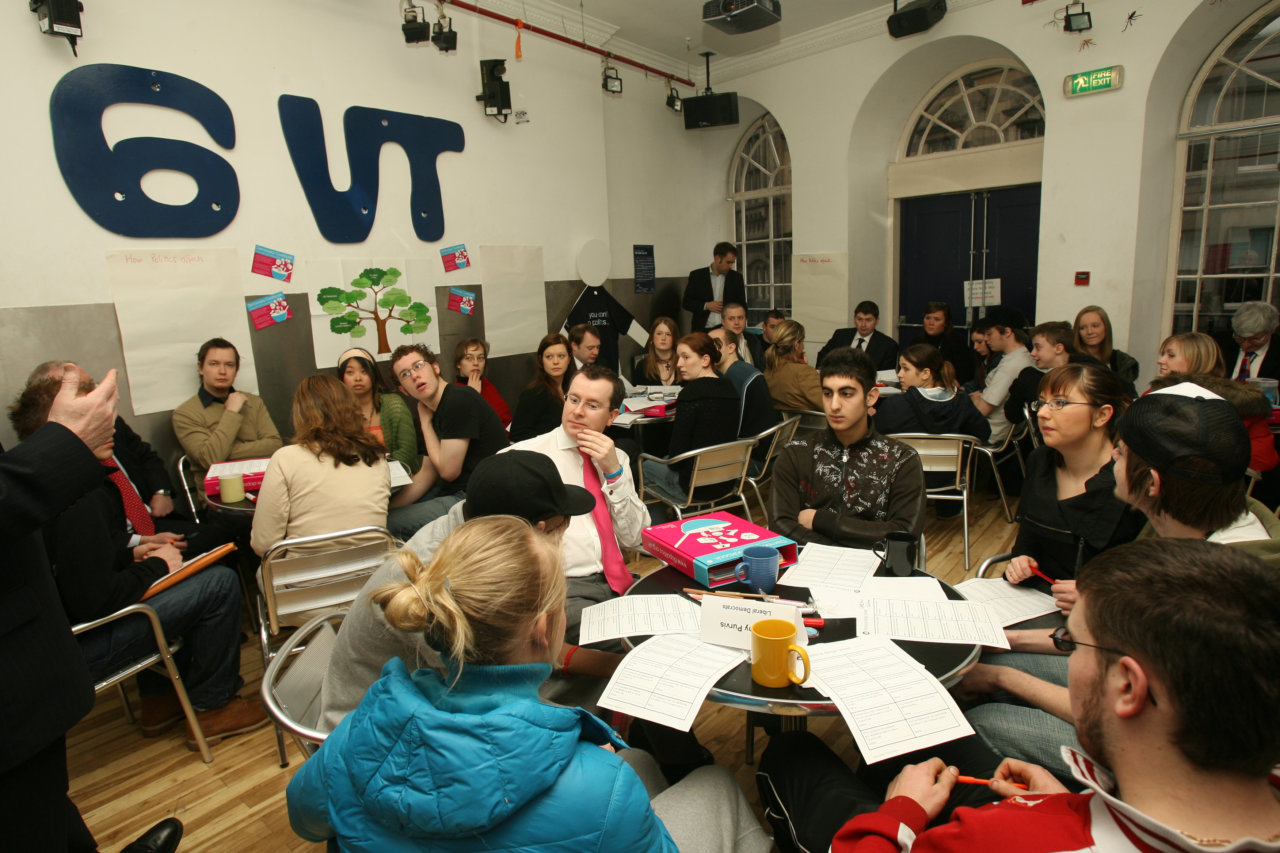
[741, 16]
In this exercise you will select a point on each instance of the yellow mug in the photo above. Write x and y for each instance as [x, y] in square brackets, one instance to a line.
[772, 642]
[231, 489]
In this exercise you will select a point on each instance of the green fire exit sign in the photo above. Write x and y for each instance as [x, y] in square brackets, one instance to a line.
[1088, 82]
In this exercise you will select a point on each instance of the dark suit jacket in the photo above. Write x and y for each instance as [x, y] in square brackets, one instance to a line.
[755, 343]
[47, 688]
[1270, 367]
[698, 292]
[144, 465]
[881, 349]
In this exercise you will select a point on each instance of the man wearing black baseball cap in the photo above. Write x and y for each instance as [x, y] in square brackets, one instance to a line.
[1181, 459]
[517, 482]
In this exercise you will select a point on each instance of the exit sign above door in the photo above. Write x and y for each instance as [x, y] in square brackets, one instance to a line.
[1089, 82]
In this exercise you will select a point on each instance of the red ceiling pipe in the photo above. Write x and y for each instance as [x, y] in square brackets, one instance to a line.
[498, 16]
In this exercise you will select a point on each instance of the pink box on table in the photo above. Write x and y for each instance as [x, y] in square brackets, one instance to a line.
[707, 547]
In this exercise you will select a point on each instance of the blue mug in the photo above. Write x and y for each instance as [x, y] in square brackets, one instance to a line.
[759, 568]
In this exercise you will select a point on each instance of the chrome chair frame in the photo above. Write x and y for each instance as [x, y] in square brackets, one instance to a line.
[947, 452]
[778, 437]
[996, 455]
[712, 466]
[160, 661]
[291, 683]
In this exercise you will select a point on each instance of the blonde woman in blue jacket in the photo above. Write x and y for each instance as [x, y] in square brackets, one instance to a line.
[471, 759]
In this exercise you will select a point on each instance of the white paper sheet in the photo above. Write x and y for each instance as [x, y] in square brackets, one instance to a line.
[913, 588]
[515, 300]
[963, 622]
[1008, 602]
[890, 702]
[831, 567]
[638, 615]
[238, 466]
[168, 302]
[666, 678]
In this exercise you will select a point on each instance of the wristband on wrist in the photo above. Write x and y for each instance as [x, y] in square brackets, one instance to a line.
[615, 474]
[568, 656]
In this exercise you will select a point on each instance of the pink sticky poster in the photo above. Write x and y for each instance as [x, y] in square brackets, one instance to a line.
[462, 301]
[272, 264]
[269, 310]
[455, 257]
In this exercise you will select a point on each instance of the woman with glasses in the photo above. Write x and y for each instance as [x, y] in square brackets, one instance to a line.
[540, 405]
[1069, 511]
[706, 414]
[1093, 335]
[470, 360]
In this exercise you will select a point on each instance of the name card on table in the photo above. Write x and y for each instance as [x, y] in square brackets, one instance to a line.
[727, 621]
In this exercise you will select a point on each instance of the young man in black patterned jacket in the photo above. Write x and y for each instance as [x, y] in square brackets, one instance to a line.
[848, 485]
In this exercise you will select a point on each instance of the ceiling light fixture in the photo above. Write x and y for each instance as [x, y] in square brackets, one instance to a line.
[673, 99]
[1077, 22]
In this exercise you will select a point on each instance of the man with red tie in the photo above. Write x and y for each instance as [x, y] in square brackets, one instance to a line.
[98, 570]
[1248, 352]
[586, 457]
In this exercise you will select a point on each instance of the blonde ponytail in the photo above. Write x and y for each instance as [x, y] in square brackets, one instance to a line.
[489, 580]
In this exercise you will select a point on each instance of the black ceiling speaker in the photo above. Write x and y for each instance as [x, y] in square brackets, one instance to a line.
[915, 17]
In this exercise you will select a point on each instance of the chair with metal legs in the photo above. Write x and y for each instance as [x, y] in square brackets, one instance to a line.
[160, 661]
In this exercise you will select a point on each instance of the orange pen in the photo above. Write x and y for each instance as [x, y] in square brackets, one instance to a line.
[974, 780]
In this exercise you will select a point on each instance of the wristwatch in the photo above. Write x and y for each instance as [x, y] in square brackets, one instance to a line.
[164, 492]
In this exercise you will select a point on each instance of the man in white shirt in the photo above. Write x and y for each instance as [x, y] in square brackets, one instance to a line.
[710, 288]
[1007, 337]
[592, 556]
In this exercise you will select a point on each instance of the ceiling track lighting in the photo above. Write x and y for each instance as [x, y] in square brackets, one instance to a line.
[416, 29]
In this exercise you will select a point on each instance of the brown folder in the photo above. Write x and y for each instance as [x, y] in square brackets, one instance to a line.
[189, 568]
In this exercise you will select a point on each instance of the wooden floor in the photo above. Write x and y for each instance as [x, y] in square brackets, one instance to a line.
[124, 783]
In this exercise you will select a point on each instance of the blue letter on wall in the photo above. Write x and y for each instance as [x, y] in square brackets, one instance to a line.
[347, 217]
[106, 182]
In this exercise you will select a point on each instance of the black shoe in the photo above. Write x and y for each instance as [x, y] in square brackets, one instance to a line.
[161, 838]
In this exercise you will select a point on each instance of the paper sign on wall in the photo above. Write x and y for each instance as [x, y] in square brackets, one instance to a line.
[198, 294]
[727, 621]
[272, 264]
[269, 310]
[455, 257]
[462, 301]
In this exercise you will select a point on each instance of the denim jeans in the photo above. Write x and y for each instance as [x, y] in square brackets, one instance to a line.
[204, 610]
[404, 521]
[1015, 730]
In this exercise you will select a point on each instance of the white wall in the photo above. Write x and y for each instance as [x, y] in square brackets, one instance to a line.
[541, 183]
[844, 110]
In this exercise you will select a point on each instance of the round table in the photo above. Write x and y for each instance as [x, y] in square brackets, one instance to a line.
[736, 689]
[240, 507]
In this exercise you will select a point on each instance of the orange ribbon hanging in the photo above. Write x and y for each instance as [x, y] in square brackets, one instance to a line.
[519, 27]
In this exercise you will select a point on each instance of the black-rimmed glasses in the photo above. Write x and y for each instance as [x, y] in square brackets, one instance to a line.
[1064, 642]
[1057, 405]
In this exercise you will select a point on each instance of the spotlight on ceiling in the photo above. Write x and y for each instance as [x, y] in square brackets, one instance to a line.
[495, 92]
[915, 17]
[1078, 21]
[60, 18]
[673, 99]
[415, 26]
[610, 81]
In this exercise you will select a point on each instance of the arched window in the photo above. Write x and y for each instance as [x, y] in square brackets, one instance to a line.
[760, 186]
[988, 106]
[1231, 184]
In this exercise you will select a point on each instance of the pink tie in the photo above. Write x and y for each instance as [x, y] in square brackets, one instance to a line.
[615, 568]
